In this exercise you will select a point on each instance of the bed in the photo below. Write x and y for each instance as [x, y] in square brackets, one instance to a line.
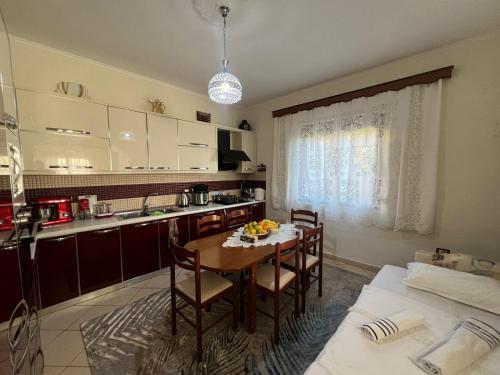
[348, 352]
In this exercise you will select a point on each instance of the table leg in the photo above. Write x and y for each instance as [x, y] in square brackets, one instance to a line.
[252, 291]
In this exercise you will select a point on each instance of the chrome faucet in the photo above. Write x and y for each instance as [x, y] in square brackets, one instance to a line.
[145, 205]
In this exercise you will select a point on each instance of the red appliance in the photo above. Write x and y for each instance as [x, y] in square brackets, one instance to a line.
[52, 210]
[6, 215]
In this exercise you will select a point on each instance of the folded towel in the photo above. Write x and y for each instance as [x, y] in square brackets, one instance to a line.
[468, 342]
[378, 330]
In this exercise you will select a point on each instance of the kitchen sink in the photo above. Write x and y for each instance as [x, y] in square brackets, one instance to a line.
[151, 212]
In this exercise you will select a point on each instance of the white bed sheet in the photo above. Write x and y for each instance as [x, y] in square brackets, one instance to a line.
[349, 353]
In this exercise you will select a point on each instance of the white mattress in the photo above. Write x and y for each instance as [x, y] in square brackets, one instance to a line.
[346, 353]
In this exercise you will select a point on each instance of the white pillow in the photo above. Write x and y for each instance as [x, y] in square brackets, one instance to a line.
[478, 291]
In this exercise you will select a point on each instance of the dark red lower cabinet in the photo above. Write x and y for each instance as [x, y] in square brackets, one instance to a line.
[163, 237]
[10, 281]
[258, 211]
[140, 249]
[57, 269]
[99, 259]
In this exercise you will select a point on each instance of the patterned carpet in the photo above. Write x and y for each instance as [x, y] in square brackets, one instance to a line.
[136, 339]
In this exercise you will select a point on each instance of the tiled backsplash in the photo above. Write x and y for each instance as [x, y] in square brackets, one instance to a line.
[125, 192]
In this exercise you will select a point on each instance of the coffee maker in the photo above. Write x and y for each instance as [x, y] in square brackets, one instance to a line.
[199, 195]
[52, 210]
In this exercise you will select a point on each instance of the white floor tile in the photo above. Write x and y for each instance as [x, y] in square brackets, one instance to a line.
[4, 341]
[92, 301]
[64, 349]
[47, 336]
[119, 298]
[94, 311]
[81, 360]
[144, 292]
[160, 281]
[62, 319]
[5, 367]
[52, 370]
[76, 371]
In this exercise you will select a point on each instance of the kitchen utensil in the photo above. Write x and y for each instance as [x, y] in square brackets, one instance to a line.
[199, 195]
[184, 199]
[52, 210]
[259, 194]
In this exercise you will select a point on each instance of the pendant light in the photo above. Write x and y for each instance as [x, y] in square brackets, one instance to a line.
[224, 87]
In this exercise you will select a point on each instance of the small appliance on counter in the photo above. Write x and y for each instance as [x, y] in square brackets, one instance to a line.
[260, 194]
[199, 195]
[184, 199]
[225, 199]
[52, 210]
[6, 215]
[102, 210]
[247, 190]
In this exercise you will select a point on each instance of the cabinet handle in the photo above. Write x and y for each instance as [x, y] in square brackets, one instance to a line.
[84, 167]
[62, 238]
[68, 131]
[159, 167]
[4, 165]
[9, 121]
[104, 231]
[58, 167]
[144, 224]
[166, 220]
[8, 248]
[135, 167]
[199, 168]
[198, 144]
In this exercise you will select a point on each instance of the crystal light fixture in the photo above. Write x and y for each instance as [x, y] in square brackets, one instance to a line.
[224, 87]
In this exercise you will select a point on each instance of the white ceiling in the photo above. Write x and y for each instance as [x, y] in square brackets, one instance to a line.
[275, 46]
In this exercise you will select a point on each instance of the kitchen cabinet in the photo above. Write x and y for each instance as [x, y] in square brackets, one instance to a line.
[57, 269]
[140, 249]
[162, 142]
[10, 281]
[258, 211]
[54, 114]
[195, 159]
[193, 221]
[62, 152]
[129, 149]
[249, 146]
[197, 135]
[164, 242]
[234, 222]
[99, 259]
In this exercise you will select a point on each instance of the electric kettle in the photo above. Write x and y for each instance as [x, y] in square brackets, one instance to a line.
[184, 199]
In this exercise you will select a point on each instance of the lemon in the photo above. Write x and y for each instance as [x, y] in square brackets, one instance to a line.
[253, 231]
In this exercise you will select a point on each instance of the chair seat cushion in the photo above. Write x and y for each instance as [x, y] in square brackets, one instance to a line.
[311, 260]
[265, 276]
[211, 285]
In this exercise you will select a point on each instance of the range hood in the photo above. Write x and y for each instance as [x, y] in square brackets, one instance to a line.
[234, 156]
[229, 156]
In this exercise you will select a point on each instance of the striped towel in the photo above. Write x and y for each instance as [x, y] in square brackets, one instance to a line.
[380, 329]
[468, 342]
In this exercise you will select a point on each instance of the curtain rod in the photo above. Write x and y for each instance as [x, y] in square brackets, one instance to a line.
[398, 84]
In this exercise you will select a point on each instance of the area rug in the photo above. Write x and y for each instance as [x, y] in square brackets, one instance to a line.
[136, 338]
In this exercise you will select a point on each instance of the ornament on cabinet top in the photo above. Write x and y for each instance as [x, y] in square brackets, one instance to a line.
[77, 90]
[157, 106]
[245, 125]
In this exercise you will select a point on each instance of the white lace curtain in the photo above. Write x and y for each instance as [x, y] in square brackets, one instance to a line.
[369, 161]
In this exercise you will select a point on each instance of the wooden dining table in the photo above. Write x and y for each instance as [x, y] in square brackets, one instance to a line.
[214, 257]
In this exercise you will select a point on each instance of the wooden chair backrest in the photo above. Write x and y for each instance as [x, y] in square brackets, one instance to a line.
[304, 217]
[285, 251]
[184, 258]
[237, 218]
[312, 238]
[209, 222]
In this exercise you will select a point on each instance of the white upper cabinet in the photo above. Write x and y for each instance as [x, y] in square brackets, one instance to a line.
[129, 149]
[197, 135]
[42, 112]
[197, 159]
[64, 153]
[162, 141]
[249, 146]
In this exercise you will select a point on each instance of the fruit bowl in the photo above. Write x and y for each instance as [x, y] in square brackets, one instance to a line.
[261, 229]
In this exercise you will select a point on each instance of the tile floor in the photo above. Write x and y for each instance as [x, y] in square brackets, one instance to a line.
[62, 342]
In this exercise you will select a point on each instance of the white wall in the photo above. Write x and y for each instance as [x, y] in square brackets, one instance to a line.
[468, 213]
[39, 68]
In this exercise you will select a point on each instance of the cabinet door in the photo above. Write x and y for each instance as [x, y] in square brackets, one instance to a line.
[193, 219]
[42, 112]
[195, 159]
[162, 140]
[258, 211]
[140, 249]
[99, 259]
[129, 150]
[10, 281]
[57, 269]
[61, 152]
[249, 145]
[197, 135]
[163, 236]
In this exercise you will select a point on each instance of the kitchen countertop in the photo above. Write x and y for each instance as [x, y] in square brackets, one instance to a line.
[95, 224]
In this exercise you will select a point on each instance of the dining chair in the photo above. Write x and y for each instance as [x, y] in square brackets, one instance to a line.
[308, 262]
[304, 218]
[198, 291]
[237, 218]
[208, 224]
[274, 280]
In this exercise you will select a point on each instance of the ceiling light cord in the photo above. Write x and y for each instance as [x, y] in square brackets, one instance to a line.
[224, 62]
